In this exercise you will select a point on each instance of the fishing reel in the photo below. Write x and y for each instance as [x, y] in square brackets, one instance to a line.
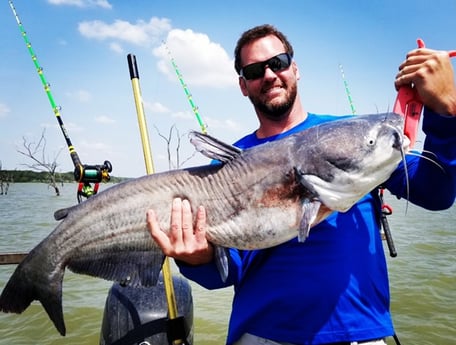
[87, 174]
[93, 173]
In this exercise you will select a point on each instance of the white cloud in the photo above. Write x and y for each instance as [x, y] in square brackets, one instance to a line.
[4, 110]
[70, 127]
[82, 3]
[82, 96]
[199, 60]
[116, 47]
[104, 119]
[227, 124]
[142, 33]
[156, 107]
[182, 115]
[94, 146]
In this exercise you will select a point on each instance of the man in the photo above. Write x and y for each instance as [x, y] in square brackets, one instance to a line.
[333, 288]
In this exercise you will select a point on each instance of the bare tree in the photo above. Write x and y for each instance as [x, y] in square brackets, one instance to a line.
[5, 179]
[173, 133]
[37, 153]
[1, 179]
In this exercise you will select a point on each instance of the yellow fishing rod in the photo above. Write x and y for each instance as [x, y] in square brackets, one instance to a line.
[84, 174]
[176, 325]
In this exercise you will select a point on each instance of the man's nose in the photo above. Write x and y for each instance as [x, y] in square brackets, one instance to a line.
[269, 73]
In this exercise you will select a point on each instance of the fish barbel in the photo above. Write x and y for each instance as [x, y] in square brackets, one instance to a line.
[256, 198]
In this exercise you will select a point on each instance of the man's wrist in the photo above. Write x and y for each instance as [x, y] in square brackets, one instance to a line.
[447, 107]
[452, 110]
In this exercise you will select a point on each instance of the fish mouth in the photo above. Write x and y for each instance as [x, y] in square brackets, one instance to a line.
[405, 144]
[401, 141]
[395, 124]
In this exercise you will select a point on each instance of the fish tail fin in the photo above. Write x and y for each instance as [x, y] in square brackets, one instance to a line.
[21, 290]
[51, 300]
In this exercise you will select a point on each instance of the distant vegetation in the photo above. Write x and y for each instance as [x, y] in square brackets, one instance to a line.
[16, 176]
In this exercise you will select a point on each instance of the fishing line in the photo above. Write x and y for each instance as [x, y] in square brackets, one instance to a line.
[347, 91]
[84, 174]
[187, 92]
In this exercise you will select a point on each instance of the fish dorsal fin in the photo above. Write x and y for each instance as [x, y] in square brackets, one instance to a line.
[213, 148]
[62, 213]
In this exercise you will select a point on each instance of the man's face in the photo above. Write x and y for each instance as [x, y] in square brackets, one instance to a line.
[274, 93]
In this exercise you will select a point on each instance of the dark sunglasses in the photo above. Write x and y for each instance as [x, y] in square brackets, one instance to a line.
[256, 70]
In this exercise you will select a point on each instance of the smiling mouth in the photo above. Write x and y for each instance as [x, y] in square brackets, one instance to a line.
[273, 89]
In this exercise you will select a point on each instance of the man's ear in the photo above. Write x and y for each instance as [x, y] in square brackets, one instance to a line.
[296, 70]
[243, 86]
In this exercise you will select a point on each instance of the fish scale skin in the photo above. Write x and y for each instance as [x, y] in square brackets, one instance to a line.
[112, 220]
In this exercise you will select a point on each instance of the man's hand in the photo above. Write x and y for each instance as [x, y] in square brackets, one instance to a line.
[184, 241]
[431, 72]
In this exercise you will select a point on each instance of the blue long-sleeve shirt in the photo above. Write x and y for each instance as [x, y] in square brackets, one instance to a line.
[334, 286]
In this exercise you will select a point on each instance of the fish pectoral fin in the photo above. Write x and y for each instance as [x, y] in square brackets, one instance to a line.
[221, 261]
[309, 214]
[213, 148]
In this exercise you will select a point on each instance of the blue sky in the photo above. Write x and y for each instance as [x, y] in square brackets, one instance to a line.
[82, 46]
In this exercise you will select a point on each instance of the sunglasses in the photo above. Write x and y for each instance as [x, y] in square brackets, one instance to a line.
[256, 70]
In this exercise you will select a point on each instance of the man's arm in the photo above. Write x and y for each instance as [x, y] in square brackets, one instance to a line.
[431, 73]
[431, 185]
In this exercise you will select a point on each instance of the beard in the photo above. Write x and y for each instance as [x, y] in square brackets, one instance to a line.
[276, 110]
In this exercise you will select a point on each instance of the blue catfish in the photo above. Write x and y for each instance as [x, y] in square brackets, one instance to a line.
[255, 198]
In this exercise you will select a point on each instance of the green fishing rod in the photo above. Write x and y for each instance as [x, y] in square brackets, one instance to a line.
[347, 91]
[84, 174]
[187, 92]
[386, 209]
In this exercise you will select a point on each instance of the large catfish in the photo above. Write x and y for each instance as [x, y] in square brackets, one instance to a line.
[256, 198]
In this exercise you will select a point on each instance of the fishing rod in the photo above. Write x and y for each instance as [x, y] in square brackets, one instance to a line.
[187, 92]
[83, 174]
[347, 91]
[386, 209]
[176, 325]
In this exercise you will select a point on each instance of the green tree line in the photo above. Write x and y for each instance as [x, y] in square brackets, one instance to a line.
[20, 176]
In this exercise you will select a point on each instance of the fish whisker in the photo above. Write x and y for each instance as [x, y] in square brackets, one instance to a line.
[417, 154]
[407, 184]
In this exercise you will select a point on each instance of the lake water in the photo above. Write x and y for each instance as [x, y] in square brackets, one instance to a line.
[422, 276]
